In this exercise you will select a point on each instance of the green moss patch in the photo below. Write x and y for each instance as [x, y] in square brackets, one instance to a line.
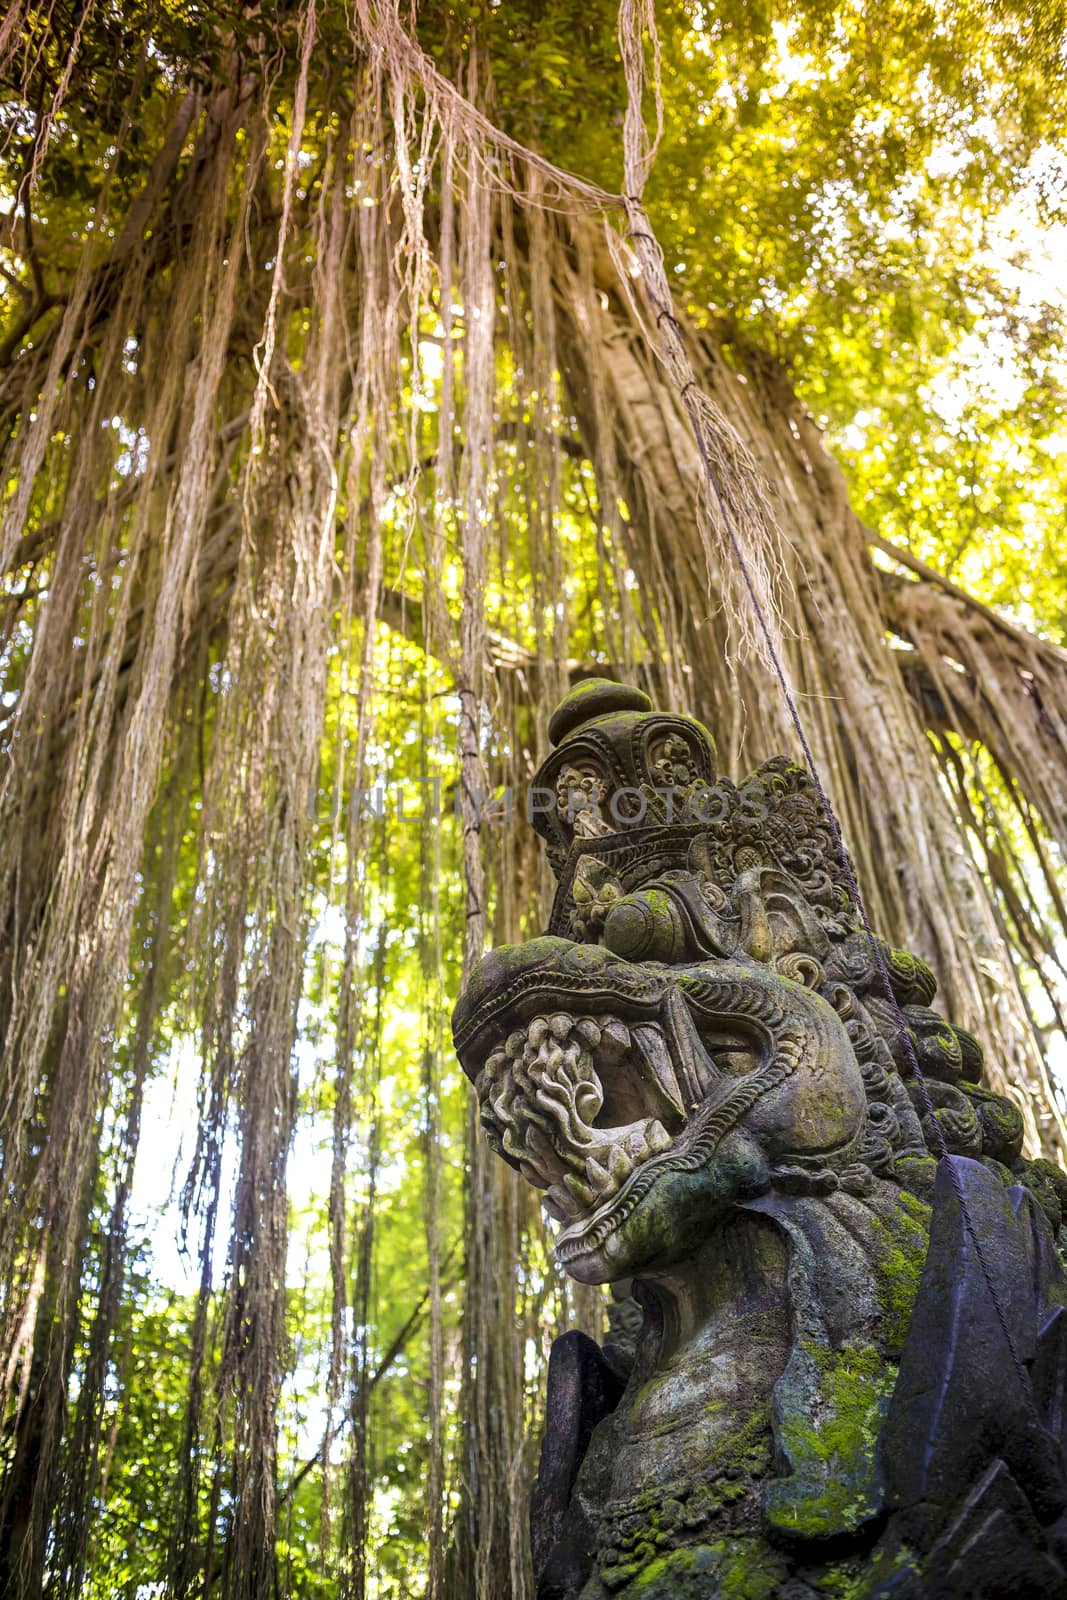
[830, 1406]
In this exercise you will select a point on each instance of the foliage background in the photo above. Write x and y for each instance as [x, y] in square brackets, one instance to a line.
[867, 208]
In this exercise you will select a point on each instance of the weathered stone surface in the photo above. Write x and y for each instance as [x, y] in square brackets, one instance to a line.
[699, 1067]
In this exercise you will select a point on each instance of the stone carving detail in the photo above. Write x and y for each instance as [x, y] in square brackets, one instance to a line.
[810, 1392]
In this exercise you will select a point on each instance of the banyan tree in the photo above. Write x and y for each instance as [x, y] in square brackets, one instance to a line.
[370, 374]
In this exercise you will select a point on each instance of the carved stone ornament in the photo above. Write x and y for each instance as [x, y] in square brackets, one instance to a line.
[810, 1392]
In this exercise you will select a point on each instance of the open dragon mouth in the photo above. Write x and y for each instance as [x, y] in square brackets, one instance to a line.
[578, 1103]
[596, 1077]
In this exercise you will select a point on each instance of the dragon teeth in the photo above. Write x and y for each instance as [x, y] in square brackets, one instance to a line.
[560, 1053]
[597, 1175]
[616, 1033]
[533, 1175]
[606, 1176]
[656, 1137]
[581, 1192]
[620, 1165]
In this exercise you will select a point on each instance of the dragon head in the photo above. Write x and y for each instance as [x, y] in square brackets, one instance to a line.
[706, 1018]
[646, 1101]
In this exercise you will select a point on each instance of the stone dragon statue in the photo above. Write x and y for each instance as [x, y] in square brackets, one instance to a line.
[837, 1367]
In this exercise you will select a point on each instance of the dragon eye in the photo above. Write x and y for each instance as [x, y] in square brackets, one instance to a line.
[645, 927]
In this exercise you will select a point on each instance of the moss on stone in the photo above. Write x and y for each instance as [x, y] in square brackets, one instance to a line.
[860, 1579]
[646, 1528]
[728, 1570]
[593, 698]
[830, 1413]
[752, 1569]
[904, 1240]
[753, 1573]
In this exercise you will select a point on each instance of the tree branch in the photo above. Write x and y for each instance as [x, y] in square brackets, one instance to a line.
[379, 1373]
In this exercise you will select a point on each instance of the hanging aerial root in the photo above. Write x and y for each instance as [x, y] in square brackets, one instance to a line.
[380, 29]
[743, 543]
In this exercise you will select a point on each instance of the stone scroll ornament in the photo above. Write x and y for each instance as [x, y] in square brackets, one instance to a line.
[808, 1388]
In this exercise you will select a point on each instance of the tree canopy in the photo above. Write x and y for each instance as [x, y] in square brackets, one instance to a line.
[336, 443]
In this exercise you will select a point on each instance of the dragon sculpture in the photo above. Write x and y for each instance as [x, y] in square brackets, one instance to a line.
[837, 1366]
